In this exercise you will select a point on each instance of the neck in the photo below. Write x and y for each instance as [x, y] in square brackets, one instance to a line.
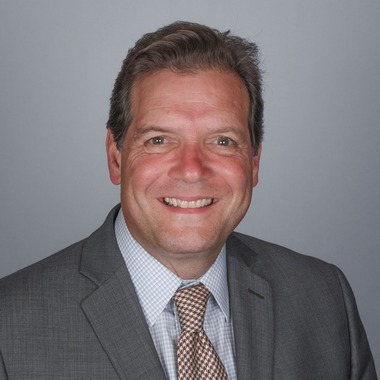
[189, 266]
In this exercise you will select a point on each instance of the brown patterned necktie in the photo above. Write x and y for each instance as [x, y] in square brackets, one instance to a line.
[197, 358]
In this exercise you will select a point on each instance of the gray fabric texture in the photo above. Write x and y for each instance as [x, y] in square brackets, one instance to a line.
[75, 315]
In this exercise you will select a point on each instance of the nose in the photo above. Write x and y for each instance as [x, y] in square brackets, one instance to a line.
[190, 164]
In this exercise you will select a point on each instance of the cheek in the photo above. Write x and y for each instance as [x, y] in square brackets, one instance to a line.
[238, 174]
[141, 172]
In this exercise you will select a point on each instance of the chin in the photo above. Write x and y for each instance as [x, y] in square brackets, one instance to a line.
[190, 245]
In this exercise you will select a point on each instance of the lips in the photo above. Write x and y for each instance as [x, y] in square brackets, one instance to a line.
[199, 203]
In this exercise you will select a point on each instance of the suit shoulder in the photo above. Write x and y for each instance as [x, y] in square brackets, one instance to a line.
[274, 261]
[293, 277]
[52, 268]
[68, 257]
[273, 251]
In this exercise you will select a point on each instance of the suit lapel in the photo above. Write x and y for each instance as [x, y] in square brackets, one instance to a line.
[116, 317]
[252, 313]
[113, 309]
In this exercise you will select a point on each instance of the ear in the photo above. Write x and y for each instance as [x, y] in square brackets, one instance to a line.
[255, 166]
[113, 158]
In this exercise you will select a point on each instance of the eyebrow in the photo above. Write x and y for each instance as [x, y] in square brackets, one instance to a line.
[148, 129]
[229, 129]
[140, 132]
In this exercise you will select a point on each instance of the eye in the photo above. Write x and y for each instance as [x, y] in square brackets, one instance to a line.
[224, 141]
[157, 140]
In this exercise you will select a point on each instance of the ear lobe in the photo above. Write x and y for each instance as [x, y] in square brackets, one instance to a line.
[255, 166]
[113, 158]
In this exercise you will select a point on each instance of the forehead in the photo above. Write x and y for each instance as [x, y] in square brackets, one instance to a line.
[202, 91]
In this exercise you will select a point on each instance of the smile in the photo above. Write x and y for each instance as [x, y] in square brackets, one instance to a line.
[175, 202]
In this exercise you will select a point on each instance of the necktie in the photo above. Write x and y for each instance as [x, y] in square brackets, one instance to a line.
[197, 358]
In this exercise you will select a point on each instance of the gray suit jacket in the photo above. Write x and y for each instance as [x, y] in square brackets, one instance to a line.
[75, 315]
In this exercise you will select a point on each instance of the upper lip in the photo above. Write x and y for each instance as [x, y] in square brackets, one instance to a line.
[188, 203]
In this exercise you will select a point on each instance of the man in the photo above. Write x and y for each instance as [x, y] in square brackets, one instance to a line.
[184, 142]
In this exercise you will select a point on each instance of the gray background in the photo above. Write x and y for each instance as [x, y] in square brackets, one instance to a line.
[319, 185]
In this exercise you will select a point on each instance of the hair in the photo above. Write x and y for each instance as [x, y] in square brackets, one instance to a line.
[187, 47]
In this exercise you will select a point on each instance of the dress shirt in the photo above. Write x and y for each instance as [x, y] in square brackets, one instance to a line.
[155, 286]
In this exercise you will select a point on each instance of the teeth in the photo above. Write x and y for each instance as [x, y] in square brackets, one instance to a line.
[175, 202]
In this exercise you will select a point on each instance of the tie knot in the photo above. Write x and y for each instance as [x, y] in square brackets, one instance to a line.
[191, 306]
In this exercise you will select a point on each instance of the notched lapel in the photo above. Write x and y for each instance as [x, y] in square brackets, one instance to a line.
[116, 318]
[252, 312]
[113, 309]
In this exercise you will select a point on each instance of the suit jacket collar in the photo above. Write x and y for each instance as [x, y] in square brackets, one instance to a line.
[113, 309]
[252, 312]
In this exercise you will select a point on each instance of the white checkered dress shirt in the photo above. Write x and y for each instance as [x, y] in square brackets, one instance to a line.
[155, 286]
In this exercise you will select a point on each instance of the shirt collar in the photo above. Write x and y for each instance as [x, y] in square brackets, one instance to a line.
[155, 284]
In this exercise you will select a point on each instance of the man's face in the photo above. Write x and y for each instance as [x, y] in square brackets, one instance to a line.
[186, 168]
